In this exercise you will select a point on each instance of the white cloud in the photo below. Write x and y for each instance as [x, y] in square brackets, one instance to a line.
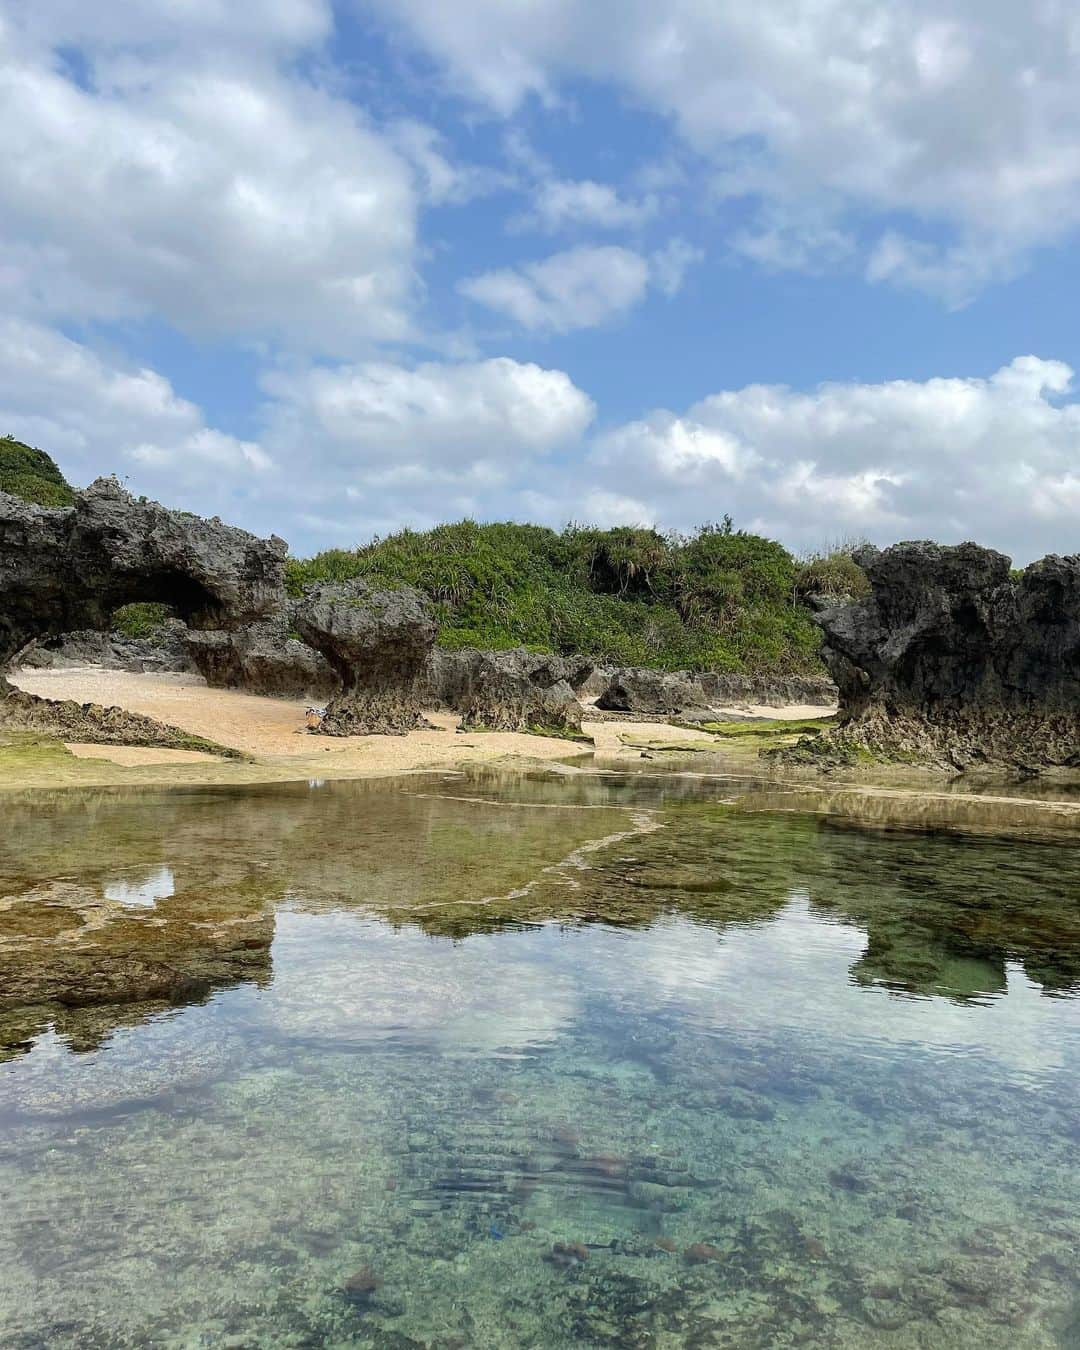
[436, 416]
[990, 459]
[562, 203]
[105, 29]
[963, 115]
[581, 287]
[96, 416]
[442, 181]
[348, 450]
[671, 263]
[197, 183]
[344, 451]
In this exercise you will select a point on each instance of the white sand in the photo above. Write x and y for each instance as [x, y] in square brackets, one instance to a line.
[272, 731]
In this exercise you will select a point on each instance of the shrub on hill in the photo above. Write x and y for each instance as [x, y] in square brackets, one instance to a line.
[32, 475]
[718, 599]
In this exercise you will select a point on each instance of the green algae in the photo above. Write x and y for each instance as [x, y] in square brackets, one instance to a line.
[500, 1014]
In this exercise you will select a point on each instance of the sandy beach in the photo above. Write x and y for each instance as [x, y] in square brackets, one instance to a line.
[273, 733]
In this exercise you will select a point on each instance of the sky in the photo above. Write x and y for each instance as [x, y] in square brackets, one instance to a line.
[327, 268]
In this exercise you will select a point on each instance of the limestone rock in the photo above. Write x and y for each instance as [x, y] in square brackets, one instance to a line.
[694, 696]
[167, 650]
[456, 676]
[955, 661]
[520, 691]
[379, 643]
[67, 569]
[263, 659]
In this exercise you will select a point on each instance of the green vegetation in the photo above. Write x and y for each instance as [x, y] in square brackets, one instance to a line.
[833, 572]
[32, 475]
[142, 619]
[717, 599]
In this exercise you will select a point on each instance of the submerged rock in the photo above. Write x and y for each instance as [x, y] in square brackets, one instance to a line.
[701, 1253]
[956, 661]
[379, 644]
[566, 1255]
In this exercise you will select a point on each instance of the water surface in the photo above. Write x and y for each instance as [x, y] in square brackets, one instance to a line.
[532, 1060]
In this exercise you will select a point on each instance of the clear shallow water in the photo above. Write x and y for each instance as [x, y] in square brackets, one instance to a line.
[769, 1079]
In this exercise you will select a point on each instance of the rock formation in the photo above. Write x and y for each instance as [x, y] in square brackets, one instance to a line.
[167, 650]
[263, 659]
[521, 691]
[955, 661]
[695, 696]
[69, 568]
[379, 643]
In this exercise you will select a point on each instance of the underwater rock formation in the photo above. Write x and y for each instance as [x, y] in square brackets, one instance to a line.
[379, 643]
[520, 691]
[69, 568]
[262, 659]
[956, 661]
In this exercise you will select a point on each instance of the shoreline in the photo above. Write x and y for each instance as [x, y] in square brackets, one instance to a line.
[270, 734]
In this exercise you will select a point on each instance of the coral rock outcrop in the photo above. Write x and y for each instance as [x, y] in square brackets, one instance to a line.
[957, 661]
[262, 659]
[521, 691]
[379, 643]
[69, 568]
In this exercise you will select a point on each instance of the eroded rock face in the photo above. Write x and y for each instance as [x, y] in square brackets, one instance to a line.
[379, 644]
[263, 659]
[696, 695]
[456, 676]
[166, 651]
[68, 569]
[955, 661]
[521, 691]
[652, 691]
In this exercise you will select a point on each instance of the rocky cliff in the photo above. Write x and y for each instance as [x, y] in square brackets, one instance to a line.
[957, 661]
[69, 568]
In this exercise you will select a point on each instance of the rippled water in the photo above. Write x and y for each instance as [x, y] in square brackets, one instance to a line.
[533, 1061]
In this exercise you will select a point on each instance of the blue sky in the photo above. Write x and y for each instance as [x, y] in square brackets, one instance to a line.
[330, 269]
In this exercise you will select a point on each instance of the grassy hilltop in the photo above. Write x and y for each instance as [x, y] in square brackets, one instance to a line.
[32, 475]
[717, 599]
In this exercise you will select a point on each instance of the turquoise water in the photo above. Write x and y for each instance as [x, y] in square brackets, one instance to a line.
[533, 1061]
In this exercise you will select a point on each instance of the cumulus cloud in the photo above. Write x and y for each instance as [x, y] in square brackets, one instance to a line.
[581, 287]
[199, 182]
[964, 116]
[564, 203]
[97, 416]
[345, 451]
[992, 459]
